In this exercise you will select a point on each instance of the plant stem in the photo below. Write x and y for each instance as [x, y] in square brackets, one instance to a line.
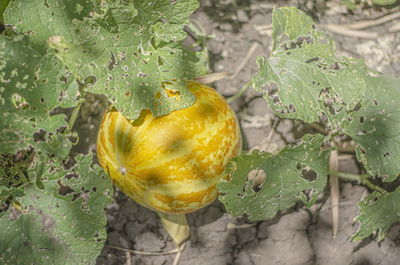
[74, 115]
[22, 176]
[239, 93]
[363, 179]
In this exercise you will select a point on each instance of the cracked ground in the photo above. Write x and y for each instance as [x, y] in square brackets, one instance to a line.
[295, 237]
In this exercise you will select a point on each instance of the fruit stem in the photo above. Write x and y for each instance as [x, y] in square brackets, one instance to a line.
[176, 226]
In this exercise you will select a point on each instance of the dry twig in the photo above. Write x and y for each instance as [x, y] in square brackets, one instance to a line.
[128, 260]
[371, 23]
[178, 255]
[253, 47]
[235, 226]
[144, 253]
[334, 189]
[353, 29]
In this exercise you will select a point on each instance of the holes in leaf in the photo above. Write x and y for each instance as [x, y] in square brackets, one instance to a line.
[315, 59]
[362, 119]
[362, 132]
[271, 88]
[40, 136]
[386, 155]
[316, 83]
[19, 102]
[170, 92]
[64, 190]
[257, 178]
[122, 56]
[306, 172]
[371, 200]
[97, 237]
[90, 80]
[308, 194]
[298, 43]
[323, 118]
[112, 62]
[276, 100]
[334, 66]
[14, 214]
[330, 100]
[357, 107]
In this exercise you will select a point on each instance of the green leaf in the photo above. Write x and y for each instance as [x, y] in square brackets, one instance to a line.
[12, 191]
[376, 127]
[31, 85]
[3, 6]
[378, 211]
[303, 79]
[295, 174]
[130, 51]
[17, 133]
[61, 224]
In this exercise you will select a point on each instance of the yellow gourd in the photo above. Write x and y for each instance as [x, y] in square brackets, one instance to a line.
[173, 163]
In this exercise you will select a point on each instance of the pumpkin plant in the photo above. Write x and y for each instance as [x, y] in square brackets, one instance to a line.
[166, 141]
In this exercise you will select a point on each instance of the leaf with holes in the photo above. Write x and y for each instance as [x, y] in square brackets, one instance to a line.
[263, 184]
[31, 85]
[376, 127]
[63, 223]
[130, 51]
[377, 213]
[303, 79]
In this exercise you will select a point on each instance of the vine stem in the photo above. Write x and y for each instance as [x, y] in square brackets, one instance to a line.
[74, 115]
[239, 93]
[363, 179]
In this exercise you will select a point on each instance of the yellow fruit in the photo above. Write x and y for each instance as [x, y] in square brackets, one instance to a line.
[173, 163]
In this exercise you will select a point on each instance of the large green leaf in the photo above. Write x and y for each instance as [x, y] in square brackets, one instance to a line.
[376, 127]
[295, 174]
[377, 213]
[31, 85]
[129, 50]
[63, 223]
[303, 79]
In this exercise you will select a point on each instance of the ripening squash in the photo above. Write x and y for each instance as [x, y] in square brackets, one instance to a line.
[173, 163]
